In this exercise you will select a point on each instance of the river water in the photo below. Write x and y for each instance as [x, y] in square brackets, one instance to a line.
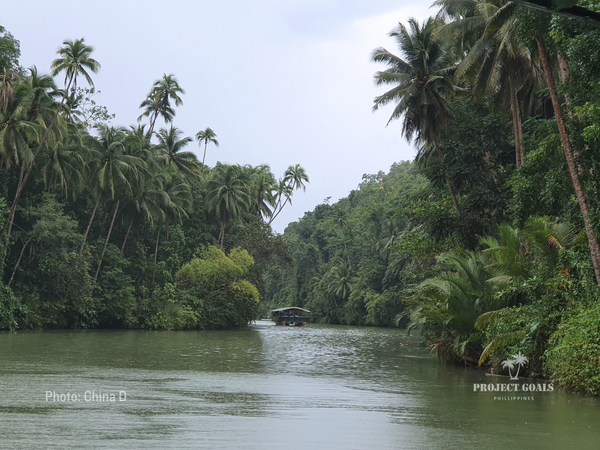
[266, 387]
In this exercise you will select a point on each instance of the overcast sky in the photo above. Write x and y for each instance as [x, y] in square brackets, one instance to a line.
[281, 82]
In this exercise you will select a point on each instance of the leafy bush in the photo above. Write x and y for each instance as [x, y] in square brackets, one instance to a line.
[574, 359]
[12, 311]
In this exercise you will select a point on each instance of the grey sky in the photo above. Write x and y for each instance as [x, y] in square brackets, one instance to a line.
[280, 81]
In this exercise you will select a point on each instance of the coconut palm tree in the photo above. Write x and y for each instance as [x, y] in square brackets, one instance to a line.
[422, 84]
[262, 187]
[114, 171]
[339, 280]
[177, 201]
[496, 63]
[295, 178]
[7, 92]
[17, 132]
[228, 194]
[206, 136]
[42, 92]
[170, 143]
[158, 101]
[67, 163]
[580, 192]
[74, 60]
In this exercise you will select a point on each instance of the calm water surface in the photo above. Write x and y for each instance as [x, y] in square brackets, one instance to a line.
[266, 387]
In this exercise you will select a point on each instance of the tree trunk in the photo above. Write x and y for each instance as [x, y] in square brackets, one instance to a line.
[21, 186]
[151, 124]
[18, 262]
[156, 248]
[441, 158]
[517, 123]
[274, 216]
[89, 226]
[156, 254]
[204, 157]
[222, 235]
[564, 74]
[126, 236]
[107, 239]
[579, 190]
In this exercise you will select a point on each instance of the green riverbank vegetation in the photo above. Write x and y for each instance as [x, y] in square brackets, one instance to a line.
[107, 226]
[487, 242]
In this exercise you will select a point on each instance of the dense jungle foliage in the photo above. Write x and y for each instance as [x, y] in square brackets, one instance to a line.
[486, 243]
[114, 227]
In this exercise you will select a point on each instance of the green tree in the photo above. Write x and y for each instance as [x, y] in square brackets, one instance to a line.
[422, 84]
[206, 136]
[228, 194]
[295, 178]
[10, 50]
[170, 143]
[158, 101]
[74, 60]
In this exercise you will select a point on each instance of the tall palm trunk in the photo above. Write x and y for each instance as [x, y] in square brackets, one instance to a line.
[204, 156]
[89, 226]
[152, 122]
[579, 190]
[564, 74]
[107, 239]
[441, 158]
[21, 185]
[222, 235]
[156, 253]
[274, 216]
[156, 247]
[517, 123]
[126, 236]
[18, 262]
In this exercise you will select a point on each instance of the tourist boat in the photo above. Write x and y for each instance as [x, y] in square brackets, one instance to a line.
[291, 316]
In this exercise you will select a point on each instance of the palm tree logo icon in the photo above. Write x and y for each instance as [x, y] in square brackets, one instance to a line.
[518, 360]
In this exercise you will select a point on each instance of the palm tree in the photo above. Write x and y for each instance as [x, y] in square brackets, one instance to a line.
[447, 307]
[206, 136]
[177, 202]
[7, 93]
[158, 102]
[115, 172]
[294, 178]
[74, 60]
[497, 63]
[580, 193]
[262, 186]
[171, 143]
[67, 164]
[339, 282]
[228, 197]
[421, 84]
[42, 93]
[17, 132]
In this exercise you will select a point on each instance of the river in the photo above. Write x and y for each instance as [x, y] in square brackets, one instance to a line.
[266, 387]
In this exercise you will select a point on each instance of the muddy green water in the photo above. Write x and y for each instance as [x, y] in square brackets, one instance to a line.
[266, 387]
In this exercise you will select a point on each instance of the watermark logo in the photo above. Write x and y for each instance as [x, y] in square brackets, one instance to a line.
[520, 391]
[518, 360]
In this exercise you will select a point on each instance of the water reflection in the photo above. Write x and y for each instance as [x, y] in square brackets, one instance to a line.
[265, 387]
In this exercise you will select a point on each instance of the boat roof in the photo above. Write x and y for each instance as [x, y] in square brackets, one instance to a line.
[289, 308]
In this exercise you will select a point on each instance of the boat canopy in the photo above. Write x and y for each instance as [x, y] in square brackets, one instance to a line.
[289, 308]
